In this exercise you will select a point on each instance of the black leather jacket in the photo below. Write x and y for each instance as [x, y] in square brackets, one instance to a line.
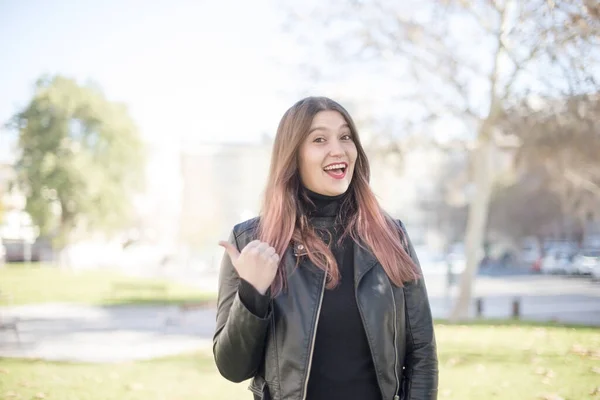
[276, 351]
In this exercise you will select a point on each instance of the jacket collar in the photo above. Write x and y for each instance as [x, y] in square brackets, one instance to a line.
[364, 259]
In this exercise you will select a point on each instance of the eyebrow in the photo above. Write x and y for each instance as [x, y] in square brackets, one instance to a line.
[322, 128]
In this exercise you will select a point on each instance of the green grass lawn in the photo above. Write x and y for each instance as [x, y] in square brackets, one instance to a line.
[476, 362]
[39, 283]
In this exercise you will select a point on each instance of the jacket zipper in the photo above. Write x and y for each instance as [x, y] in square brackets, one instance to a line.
[364, 326]
[314, 336]
[397, 396]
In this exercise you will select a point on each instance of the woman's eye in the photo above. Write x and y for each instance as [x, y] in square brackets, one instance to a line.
[319, 140]
[346, 137]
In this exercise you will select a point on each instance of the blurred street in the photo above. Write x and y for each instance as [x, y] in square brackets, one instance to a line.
[542, 298]
[122, 333]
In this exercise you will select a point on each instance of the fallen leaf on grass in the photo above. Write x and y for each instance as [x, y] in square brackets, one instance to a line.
[539, 332]
[3, 371]
[135, 386]
[454, 361]
[580, 350]
[595, 392]
[11, 394]
[551, 396]
[596, 370]
[40, 395]
[548, 373]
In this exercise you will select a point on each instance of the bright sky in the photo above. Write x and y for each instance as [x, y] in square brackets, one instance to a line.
[188, 70]
[194, 70]
[211, 71]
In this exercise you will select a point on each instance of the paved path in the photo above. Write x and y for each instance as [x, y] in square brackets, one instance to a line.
[121, 333]
[104, 334]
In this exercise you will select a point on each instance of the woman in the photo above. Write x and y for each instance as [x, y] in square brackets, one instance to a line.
[321, 297]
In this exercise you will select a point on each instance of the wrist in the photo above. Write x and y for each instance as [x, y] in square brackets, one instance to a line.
[259, 288]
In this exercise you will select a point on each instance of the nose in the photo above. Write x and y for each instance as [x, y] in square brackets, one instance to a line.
[336, 149]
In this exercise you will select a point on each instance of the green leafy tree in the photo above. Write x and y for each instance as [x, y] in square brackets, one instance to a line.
[80, 161]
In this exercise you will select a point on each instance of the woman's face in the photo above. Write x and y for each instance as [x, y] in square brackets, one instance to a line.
[328, 155]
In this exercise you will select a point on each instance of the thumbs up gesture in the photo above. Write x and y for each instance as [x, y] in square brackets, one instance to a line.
[257, 263]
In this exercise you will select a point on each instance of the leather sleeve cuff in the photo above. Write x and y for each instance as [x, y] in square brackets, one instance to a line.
[255, 302]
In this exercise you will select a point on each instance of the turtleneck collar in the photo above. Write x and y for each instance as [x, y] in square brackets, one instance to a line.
[324, 206]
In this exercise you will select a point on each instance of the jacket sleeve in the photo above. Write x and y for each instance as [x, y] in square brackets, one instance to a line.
[421, 363]
[239, 339]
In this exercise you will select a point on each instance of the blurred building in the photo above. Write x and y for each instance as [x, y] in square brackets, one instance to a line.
[222, 184]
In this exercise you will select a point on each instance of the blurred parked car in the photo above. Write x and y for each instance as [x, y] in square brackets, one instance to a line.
[436, 263]
[431, 262]
[585, 261]
[536, 266]
[530, 253]
[596, 272]
[557, 262]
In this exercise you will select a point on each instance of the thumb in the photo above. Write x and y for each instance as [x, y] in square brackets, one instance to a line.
[230, 249]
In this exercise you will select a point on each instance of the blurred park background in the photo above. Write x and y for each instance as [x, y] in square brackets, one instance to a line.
[134, 135]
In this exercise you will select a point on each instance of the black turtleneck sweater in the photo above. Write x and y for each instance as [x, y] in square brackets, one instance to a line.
[342, 366]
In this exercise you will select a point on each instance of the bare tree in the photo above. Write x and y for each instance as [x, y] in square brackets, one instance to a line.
[562, 138]
[446, 208]
[465, 61]
[508, 216]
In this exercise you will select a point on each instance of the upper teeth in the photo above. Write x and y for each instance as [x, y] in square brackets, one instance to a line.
[335, 166]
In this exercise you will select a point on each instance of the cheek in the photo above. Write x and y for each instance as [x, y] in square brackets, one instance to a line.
[308, 164]
[311, 159]
[352, 152]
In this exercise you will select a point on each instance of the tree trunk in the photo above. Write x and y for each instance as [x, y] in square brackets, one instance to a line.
[477, 221]
[64, 258]
[63, 240]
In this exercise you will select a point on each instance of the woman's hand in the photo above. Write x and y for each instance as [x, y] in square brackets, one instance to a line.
[257, 263]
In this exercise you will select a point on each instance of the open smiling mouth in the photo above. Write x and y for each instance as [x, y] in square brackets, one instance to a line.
[337, 171]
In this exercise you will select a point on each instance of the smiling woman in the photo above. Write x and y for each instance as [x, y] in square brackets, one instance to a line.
[324, 289]
[327, 155]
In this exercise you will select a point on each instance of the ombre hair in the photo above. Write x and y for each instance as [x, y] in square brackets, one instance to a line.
[283, 218]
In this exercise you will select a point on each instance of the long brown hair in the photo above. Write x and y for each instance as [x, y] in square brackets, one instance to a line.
[282, 218]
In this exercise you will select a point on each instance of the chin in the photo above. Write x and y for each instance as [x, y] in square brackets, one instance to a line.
[336, 191]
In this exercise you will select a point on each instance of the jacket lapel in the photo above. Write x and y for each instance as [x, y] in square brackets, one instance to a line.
[364, 260]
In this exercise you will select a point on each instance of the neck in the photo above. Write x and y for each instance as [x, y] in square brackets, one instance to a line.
[322, 205]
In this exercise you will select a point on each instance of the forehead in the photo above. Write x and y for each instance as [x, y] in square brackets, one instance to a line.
[329, 120]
